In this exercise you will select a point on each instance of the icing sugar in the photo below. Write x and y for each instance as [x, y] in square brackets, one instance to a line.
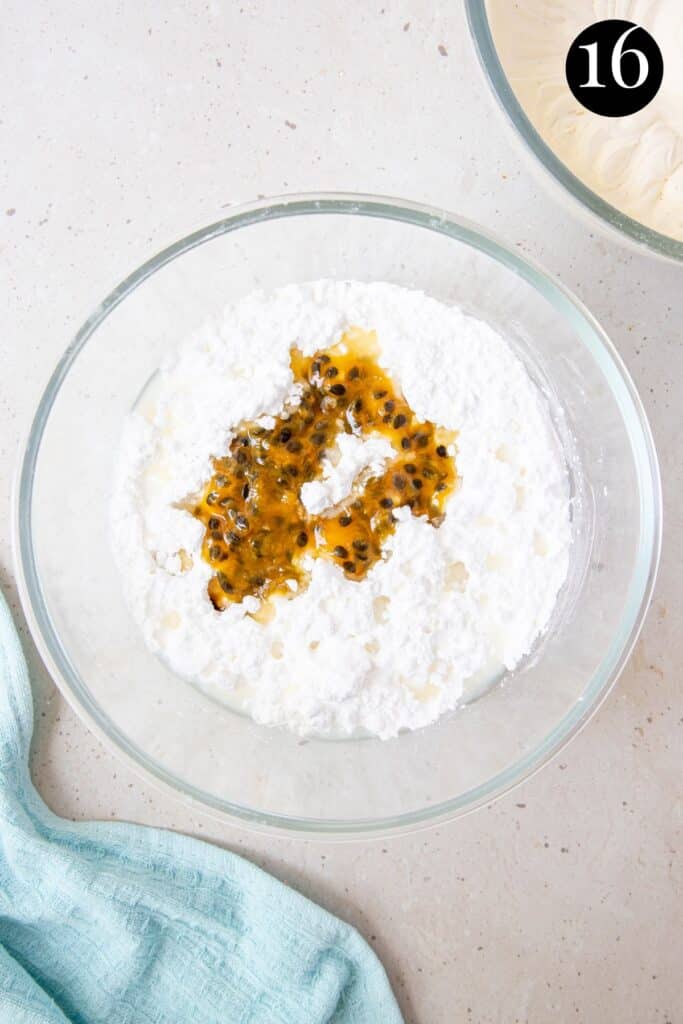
[395, 650]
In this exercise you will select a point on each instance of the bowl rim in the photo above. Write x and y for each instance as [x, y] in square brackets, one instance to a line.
[642, 581]
[614, 221]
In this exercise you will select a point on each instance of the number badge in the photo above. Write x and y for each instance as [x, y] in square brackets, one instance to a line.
[614, 68]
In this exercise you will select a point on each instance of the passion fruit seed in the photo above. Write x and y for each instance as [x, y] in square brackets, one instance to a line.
[256, 485]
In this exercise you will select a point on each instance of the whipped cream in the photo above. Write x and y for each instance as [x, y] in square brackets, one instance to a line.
[635, 163]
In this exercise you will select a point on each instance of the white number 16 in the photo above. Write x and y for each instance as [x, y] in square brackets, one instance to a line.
[618, 54]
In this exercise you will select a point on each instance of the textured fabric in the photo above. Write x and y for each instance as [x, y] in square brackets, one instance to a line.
[129, 925]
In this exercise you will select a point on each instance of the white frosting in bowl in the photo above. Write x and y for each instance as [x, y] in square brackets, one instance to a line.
[634, 162]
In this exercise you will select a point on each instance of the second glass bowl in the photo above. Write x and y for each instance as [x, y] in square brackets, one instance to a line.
[567, 185]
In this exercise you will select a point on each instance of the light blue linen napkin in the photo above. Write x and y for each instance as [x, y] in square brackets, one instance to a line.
[124, 924]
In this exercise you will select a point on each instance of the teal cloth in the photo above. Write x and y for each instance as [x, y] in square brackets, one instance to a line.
[124, 924]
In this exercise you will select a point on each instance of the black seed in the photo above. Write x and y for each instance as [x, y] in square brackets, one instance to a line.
[338, 389]
[331, 371]
[241, 457]
[349, 566]
[410, 467]
[318, 439]
[357, 505]
[340, 552]
[400, 420]
[257, 581]
[345, 520]
[379, 394]
[422, 440]
[302, 539]
[390, 406]
[386, 503]
[214, 523]
[354, 373]
[417, 483]
[242, 523]
[358, 404]
[225, 583]
[215, 553]
[245, 491]
[211, 498]
[245, 442]
[399, 482]
[387, 418]
[405, 443]
[441, 487]
[323, 358]
[360, 545]
[442, 451]
[292, 470]
[220, 480]
[294, 446]
[233, 538]
[428, 472]
[361, 557]
[315, 367]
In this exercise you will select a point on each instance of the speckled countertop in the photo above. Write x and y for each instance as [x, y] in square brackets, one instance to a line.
[124, 124]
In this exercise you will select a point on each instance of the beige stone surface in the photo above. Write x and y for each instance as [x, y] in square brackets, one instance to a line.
[124, 124]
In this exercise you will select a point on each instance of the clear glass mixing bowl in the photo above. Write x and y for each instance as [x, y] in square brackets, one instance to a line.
[568, 186]
[207, 753]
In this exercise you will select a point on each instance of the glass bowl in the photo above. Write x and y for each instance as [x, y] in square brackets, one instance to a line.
[270, 778]
[567, 185]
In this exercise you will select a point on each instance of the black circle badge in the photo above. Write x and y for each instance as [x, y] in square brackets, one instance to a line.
[614, 68]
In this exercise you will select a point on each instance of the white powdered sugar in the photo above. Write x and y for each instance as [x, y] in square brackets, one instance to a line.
[350, 456]
[395, 650]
